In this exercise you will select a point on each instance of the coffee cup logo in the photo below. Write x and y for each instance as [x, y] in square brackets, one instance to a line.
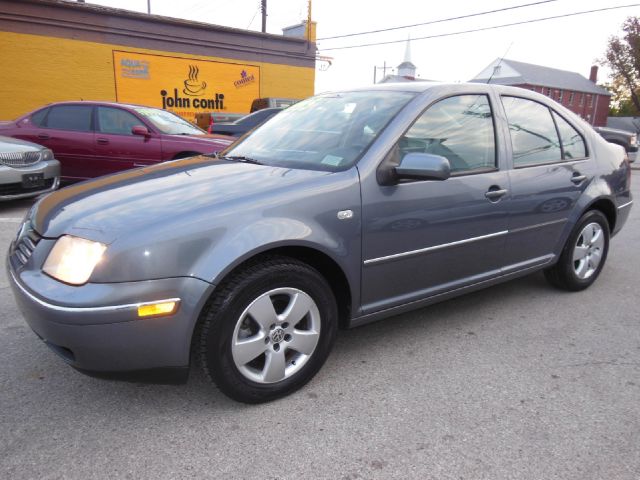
[192, 86]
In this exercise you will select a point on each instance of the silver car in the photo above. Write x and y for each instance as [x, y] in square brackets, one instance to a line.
[343, 209]
[26, 169]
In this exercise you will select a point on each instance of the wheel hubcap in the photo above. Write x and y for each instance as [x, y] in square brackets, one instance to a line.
[276, 335]
[587, 253]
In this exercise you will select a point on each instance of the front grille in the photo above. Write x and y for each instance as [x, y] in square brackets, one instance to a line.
[17, 188]
[19, 159]
[24, 246]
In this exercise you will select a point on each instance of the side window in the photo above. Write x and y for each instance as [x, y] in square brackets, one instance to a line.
[458, 128]
[116, 121]
[70, 117]
[38, 117]
[533, 134]
[572, 142]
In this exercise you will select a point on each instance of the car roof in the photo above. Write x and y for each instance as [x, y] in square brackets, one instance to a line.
[100, 103]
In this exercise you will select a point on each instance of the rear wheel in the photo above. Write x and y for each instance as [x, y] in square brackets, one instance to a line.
[268, 330]
[584, 254]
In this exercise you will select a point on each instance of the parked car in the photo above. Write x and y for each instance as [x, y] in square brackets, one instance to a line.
[26, 169]
[207, 119]
[272, 102]
[244, 124]
[627, 140]
[343, 209]
[91, 139]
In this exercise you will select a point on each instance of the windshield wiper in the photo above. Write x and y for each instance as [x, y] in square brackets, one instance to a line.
[240, 158]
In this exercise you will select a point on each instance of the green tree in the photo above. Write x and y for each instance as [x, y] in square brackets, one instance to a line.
[623, 58]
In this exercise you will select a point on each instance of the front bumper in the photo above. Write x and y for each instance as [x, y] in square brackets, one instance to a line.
[95, 327]
[11, 187]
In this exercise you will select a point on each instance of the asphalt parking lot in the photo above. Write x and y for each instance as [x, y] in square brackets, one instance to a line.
[519, 381]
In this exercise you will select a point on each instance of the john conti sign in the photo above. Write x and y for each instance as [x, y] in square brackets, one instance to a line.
[185, 86]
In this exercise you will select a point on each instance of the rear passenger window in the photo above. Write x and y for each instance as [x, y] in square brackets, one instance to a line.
[38, 117]
[572, 142]
[70, 117]
[458, 128]
[533, 134]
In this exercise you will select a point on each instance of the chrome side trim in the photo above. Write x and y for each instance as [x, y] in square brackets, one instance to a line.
[435, 247]
[539, 225]
[109, 308]
[625, 205]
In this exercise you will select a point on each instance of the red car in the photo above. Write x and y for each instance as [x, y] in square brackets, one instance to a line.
[91, 139]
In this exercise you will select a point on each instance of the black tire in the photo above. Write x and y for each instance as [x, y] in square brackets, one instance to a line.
[221, 324]
[563, 274]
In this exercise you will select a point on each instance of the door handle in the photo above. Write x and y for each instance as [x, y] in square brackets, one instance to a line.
[102, 141]
[578, 178]
[495, 193]
[43, 136]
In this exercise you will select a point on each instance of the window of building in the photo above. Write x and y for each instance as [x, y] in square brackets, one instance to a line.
[534, 137]
[70, 117]
[548, 92]
[571, 95]
[573, 145]
[581, 96]
[458, 128]
[560, 96]
[591, 100]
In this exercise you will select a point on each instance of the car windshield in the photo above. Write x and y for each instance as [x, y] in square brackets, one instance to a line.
[327, 132]
[168, 122]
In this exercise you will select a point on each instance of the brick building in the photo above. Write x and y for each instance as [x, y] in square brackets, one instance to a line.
[575, 92]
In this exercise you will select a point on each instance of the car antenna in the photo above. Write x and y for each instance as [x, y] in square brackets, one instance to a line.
[499, 62]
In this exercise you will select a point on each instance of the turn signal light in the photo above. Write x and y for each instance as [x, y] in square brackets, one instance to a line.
[158, 309]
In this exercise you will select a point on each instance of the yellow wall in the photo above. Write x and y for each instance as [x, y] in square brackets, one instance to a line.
[37, 70]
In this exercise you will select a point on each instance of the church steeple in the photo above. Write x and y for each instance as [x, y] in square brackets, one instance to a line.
[407, 68]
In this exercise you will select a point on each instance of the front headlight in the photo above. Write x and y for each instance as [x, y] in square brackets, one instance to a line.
[72, 259]
[46, 154]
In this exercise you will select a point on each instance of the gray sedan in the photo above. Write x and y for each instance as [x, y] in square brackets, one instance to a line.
[343, 209]
[26, 169]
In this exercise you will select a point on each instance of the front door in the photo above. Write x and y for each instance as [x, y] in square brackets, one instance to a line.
[424, 237]
[117, 148]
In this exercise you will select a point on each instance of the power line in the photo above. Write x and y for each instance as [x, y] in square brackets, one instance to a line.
[439, 21]
[484, 28]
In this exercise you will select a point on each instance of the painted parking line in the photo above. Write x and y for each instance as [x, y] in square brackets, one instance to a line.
[10, 220]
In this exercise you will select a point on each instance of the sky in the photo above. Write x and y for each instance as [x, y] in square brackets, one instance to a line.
[571, 43]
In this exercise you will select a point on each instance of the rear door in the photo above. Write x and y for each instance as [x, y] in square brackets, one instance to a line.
[551, 168]
[67, 129]
[117, 148]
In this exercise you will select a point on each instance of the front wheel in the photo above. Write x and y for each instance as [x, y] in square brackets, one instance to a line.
[584, 254]
[268, 330]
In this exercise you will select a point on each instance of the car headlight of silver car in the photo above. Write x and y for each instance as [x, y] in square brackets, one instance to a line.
[72, 259]
[46, 154]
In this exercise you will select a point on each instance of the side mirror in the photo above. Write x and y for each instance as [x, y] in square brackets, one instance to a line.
[423, 166]
[140, 130]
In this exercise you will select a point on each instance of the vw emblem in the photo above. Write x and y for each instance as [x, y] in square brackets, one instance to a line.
[278, 335]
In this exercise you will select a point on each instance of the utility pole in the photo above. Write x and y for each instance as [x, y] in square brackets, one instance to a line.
[148, 7]
[263, 7]
[384, 71]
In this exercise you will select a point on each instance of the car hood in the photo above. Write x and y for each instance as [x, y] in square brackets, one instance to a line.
[13, 145]
[104, 208]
